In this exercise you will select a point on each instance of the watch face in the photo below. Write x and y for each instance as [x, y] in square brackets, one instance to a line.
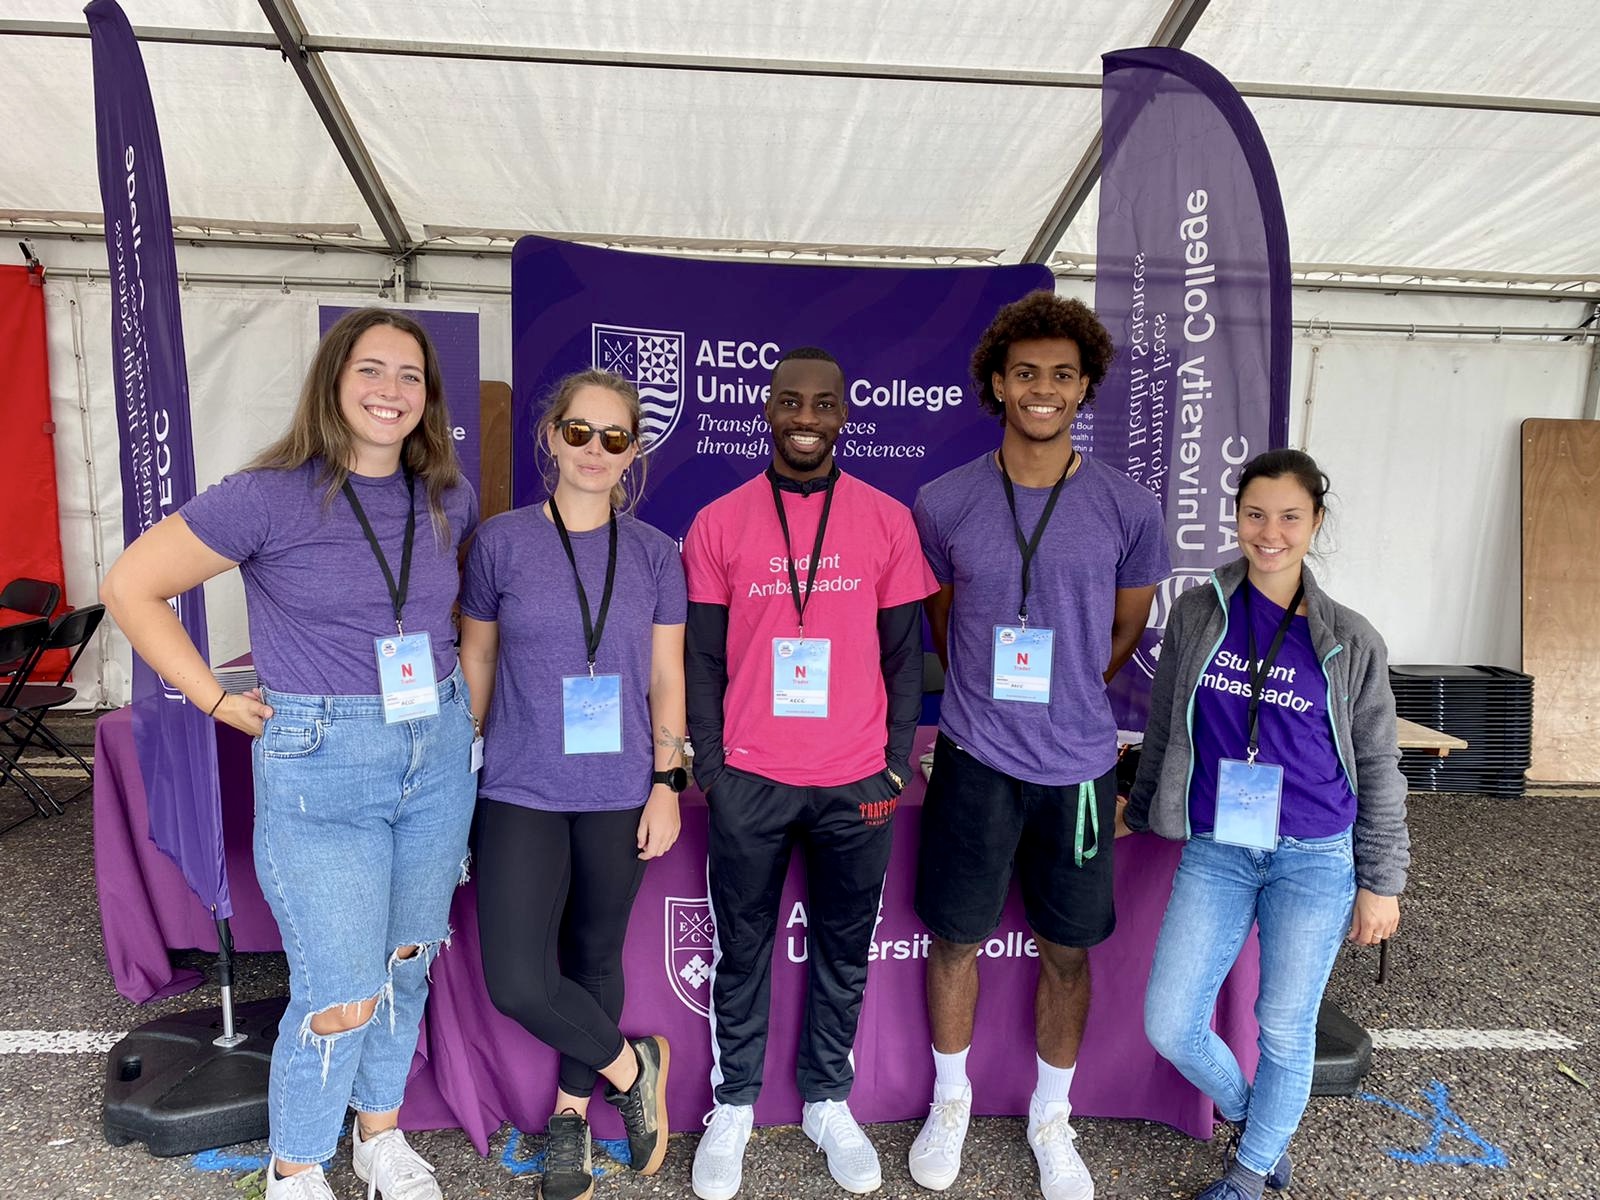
[677, 778]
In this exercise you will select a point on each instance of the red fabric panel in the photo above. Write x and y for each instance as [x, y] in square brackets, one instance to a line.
[30, 516]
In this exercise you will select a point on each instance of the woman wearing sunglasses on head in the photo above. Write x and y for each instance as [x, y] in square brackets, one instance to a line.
[572, 643]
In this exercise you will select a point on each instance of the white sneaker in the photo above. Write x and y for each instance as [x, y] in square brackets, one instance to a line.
[936, 1154]
[719, 1158]
[390, 1168]
[308, 1185]
[1062, 1175]
[852, 1161]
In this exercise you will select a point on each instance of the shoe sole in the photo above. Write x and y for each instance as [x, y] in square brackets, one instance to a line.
[859, 1189]
[585, 1195]
[933, 1183]
[717, 1193]
[653, 1163]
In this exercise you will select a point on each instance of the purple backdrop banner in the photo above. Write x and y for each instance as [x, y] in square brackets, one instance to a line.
[177, 744]
[1192, 280]
[700, 339]
[455, 340]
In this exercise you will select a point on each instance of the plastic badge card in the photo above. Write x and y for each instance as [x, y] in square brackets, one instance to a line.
[405, 676]
[591, 714]
[1248, 801]
[800, 677]
[1022, 664]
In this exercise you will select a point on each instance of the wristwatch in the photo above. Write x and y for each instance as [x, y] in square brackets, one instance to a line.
[677, 778]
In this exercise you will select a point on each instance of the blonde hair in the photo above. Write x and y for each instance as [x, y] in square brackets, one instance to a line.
[318, 429]
[627, 491]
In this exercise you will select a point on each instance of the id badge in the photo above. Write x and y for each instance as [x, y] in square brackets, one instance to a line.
[477, 755]
[1022, 664]
[591, 714]
[405, 677]
[1249, 796]
[800, 677]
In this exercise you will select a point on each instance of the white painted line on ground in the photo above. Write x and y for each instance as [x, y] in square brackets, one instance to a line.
[1470, 1039]
[57, 1041]
[52, 771]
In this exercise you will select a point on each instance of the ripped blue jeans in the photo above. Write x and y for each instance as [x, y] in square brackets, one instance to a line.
[360, 841]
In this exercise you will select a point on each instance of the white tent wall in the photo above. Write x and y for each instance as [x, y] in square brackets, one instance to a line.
[1418, 434]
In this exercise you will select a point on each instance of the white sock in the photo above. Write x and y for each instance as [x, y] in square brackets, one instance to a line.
[1050, 1094]
[950, 1074]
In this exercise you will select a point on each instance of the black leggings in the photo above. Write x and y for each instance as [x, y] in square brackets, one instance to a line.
[554, 894]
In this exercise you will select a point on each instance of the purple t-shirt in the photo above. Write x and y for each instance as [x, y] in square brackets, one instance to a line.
[1106, 533]
[313, 589]
[1293, 730]
[519, 576]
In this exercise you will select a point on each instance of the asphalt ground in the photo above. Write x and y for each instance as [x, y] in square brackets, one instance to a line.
[1500, 931]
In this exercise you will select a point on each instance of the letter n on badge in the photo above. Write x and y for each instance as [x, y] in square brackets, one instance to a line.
[689, 932]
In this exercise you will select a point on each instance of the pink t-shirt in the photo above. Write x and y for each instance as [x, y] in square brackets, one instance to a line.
[871, 559]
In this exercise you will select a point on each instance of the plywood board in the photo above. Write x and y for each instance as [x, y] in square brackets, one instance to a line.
[1561, 595]
[494, 465]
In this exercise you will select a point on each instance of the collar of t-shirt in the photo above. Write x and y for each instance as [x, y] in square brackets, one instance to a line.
[803, 486]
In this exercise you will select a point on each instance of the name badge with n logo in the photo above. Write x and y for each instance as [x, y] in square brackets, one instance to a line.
[1021, 664]
[800, 677]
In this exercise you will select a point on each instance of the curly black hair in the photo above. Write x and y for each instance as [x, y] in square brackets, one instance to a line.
[1040, 314]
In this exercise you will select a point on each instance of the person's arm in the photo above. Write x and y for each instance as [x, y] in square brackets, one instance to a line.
[660, 823]
[1382, 841]
[1135, 815]
[705, 685]
[480, 651]
[900, 656]
[166, 561]
[1128, 621]
[938, 608]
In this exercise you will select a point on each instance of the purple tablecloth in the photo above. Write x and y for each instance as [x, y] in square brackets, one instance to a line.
[476, 1069]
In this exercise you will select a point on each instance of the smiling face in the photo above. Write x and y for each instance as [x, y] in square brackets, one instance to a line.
[806, 411]
[1042, 387]
[591, 468]
[382, 394]
[1277, 520]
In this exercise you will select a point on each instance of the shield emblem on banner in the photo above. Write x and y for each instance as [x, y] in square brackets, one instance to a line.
[652, 360]
[1173, 586]
[689, 933]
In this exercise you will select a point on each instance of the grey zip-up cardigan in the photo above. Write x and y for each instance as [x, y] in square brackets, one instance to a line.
[1355, 664]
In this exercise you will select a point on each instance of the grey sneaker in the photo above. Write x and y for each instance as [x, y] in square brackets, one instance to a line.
[719, 1158]
[568, 1159]
[308, 1185]
[852, 1161]
[935, 1158]
[390, 1168]
[643, 1107]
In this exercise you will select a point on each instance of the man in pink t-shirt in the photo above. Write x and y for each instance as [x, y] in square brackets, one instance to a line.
[804, 675]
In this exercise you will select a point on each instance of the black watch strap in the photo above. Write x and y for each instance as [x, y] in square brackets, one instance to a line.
[677, 778]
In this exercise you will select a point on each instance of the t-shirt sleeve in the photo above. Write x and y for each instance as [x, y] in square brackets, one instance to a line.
[672, 600]
[232, 518]
[702, 566]
[1145, 561]
[932, 537]
[470, 521]
[905, 576]
[480, 596]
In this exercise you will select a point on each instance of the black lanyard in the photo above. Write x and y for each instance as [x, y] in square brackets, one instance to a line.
[397, 593]
[592, 629]
[1030, 546]
[816, 550]
[1259, 671]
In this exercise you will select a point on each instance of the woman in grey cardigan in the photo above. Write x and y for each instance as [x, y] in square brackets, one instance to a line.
[1270, 751]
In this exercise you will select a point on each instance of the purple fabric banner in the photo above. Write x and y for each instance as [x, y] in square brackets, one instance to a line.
[177, 745]
[700, 339]
[1192, 280]
[455, 341]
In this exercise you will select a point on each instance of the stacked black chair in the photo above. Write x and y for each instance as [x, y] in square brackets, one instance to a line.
[32, 698]
[1490, 708]
[20, 646]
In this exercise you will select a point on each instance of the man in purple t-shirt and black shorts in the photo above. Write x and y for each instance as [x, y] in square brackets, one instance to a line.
[1047, 563]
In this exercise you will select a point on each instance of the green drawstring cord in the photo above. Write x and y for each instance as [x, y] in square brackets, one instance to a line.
[1086, 803]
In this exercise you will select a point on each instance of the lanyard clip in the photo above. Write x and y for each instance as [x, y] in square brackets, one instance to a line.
[591, 668]
[1250, 755]
[1023, 619]
[400, 625]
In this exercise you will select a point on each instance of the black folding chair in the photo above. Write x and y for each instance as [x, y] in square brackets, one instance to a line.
[32, 596]
[21, 644]
[71, 631]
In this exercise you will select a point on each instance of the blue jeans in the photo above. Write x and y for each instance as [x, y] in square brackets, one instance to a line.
[1301, 895]
[360, 841]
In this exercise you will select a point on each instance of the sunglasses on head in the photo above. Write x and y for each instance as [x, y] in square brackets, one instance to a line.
[613, 438]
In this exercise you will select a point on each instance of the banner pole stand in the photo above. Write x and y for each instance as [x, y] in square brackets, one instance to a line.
[230, 1036]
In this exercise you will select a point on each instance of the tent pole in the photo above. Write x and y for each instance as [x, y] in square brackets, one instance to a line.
[230, 1037]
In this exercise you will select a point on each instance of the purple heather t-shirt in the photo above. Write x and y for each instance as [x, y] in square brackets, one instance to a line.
[1106, 533]
[518, 575]
[314, 591]
[1293, 732]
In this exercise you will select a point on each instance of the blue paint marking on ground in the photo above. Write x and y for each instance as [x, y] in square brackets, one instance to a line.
[617, 1148]
[1443, 1121]
[218, 1160]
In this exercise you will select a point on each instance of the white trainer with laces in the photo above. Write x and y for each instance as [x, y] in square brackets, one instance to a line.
[852, 1161]
[1062, 1174]
[390, 1168]
[936, 1154]
[307, 1185]
[719, 1158]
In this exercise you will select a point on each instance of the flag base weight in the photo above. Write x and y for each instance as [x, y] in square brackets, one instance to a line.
[1344, 1053]
[169, 1086]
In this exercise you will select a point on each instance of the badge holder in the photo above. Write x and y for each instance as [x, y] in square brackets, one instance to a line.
[406, 678]
[1249, 800]
[1021, 664]
[800, 676]
[591, 714]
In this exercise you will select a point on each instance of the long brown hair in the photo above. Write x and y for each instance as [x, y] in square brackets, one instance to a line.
[627, 491]
[318, 429]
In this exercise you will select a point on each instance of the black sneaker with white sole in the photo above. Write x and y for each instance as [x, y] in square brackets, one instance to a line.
[643, 1107]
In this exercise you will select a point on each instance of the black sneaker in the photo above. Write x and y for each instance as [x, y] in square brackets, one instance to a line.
[643, 1107]
[568, 1160]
